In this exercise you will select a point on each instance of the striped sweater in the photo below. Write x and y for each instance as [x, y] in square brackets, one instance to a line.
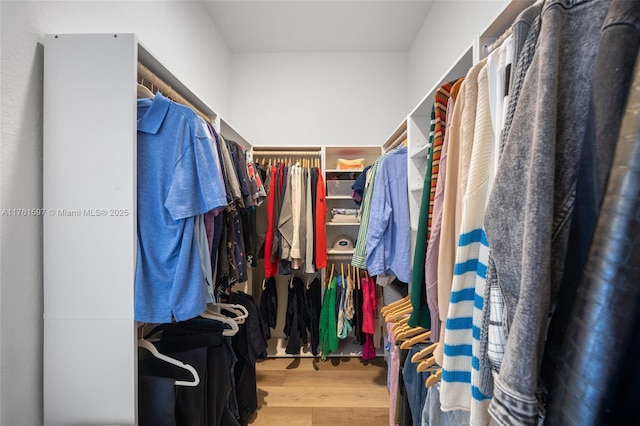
[462, 328]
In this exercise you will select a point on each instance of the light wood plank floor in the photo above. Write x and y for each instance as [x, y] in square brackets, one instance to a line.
[308, 391]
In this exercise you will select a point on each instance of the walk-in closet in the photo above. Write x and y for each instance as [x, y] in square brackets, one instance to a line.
[403, 213]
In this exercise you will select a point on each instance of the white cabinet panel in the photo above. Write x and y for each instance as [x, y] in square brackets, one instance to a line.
[89, 172]
[89, 372]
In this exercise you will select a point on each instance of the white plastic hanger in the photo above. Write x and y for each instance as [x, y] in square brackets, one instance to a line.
[224, 319]
[142, 343]
[241, 313]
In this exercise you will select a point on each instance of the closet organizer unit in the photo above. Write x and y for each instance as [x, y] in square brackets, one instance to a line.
[338, 184]
[89, 225]
[339, 193]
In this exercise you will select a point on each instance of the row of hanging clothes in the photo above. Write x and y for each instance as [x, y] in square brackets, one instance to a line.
[290, 226]
[512, 281]
[318, 315]
[202, 370]
[383, 245]
[197, 193]
[322, 315]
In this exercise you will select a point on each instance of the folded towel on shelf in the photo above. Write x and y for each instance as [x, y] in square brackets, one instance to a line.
[339, 211]
[350, 164]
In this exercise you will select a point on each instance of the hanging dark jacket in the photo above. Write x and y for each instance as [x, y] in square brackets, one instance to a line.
[269, 305]
[295, 328]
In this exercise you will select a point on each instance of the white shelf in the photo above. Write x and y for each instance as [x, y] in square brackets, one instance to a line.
[338, 197]
[458, 69]
[340, 252]
[229, 133]
[343, 171]
[343, 223]
[421, 152]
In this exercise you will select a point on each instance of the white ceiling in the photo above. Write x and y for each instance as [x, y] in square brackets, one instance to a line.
[318, 26]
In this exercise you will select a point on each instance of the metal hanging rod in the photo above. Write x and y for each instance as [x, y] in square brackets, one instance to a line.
[498, 42]
[148, 79]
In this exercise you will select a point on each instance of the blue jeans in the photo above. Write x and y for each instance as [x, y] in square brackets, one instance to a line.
[432, 415]
[414, 384]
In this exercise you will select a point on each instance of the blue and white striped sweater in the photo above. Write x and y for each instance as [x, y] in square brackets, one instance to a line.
[460, 384]
[462, 332]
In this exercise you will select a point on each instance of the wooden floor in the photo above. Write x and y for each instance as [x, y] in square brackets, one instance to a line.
[308, 391]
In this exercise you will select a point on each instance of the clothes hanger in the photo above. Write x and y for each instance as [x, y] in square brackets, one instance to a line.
[145, 344]
[426, 364]
[241, 313]
[352, 277]
[224, 319]
[307, 286]
[398, 313]
[420, 338]
[399, 325]
[403, 331]
[433, 379]
[423, 353]
[401, 304]
[143, 91]
[409, 332]
[333, 265]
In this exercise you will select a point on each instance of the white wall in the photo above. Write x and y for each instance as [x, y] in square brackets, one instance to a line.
[448, 30]
[318, 98]
[181, 35]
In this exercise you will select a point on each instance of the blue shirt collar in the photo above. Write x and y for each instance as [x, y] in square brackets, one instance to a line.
[152, 119]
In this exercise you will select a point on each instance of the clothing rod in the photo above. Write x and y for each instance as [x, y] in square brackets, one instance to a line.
[498, 42]
[398, 140]
[287, 153]
[155, 82]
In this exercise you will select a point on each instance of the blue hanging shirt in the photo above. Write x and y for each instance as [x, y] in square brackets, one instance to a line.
[179, 177]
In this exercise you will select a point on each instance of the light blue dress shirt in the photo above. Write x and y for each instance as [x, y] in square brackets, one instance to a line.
[389, 232]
